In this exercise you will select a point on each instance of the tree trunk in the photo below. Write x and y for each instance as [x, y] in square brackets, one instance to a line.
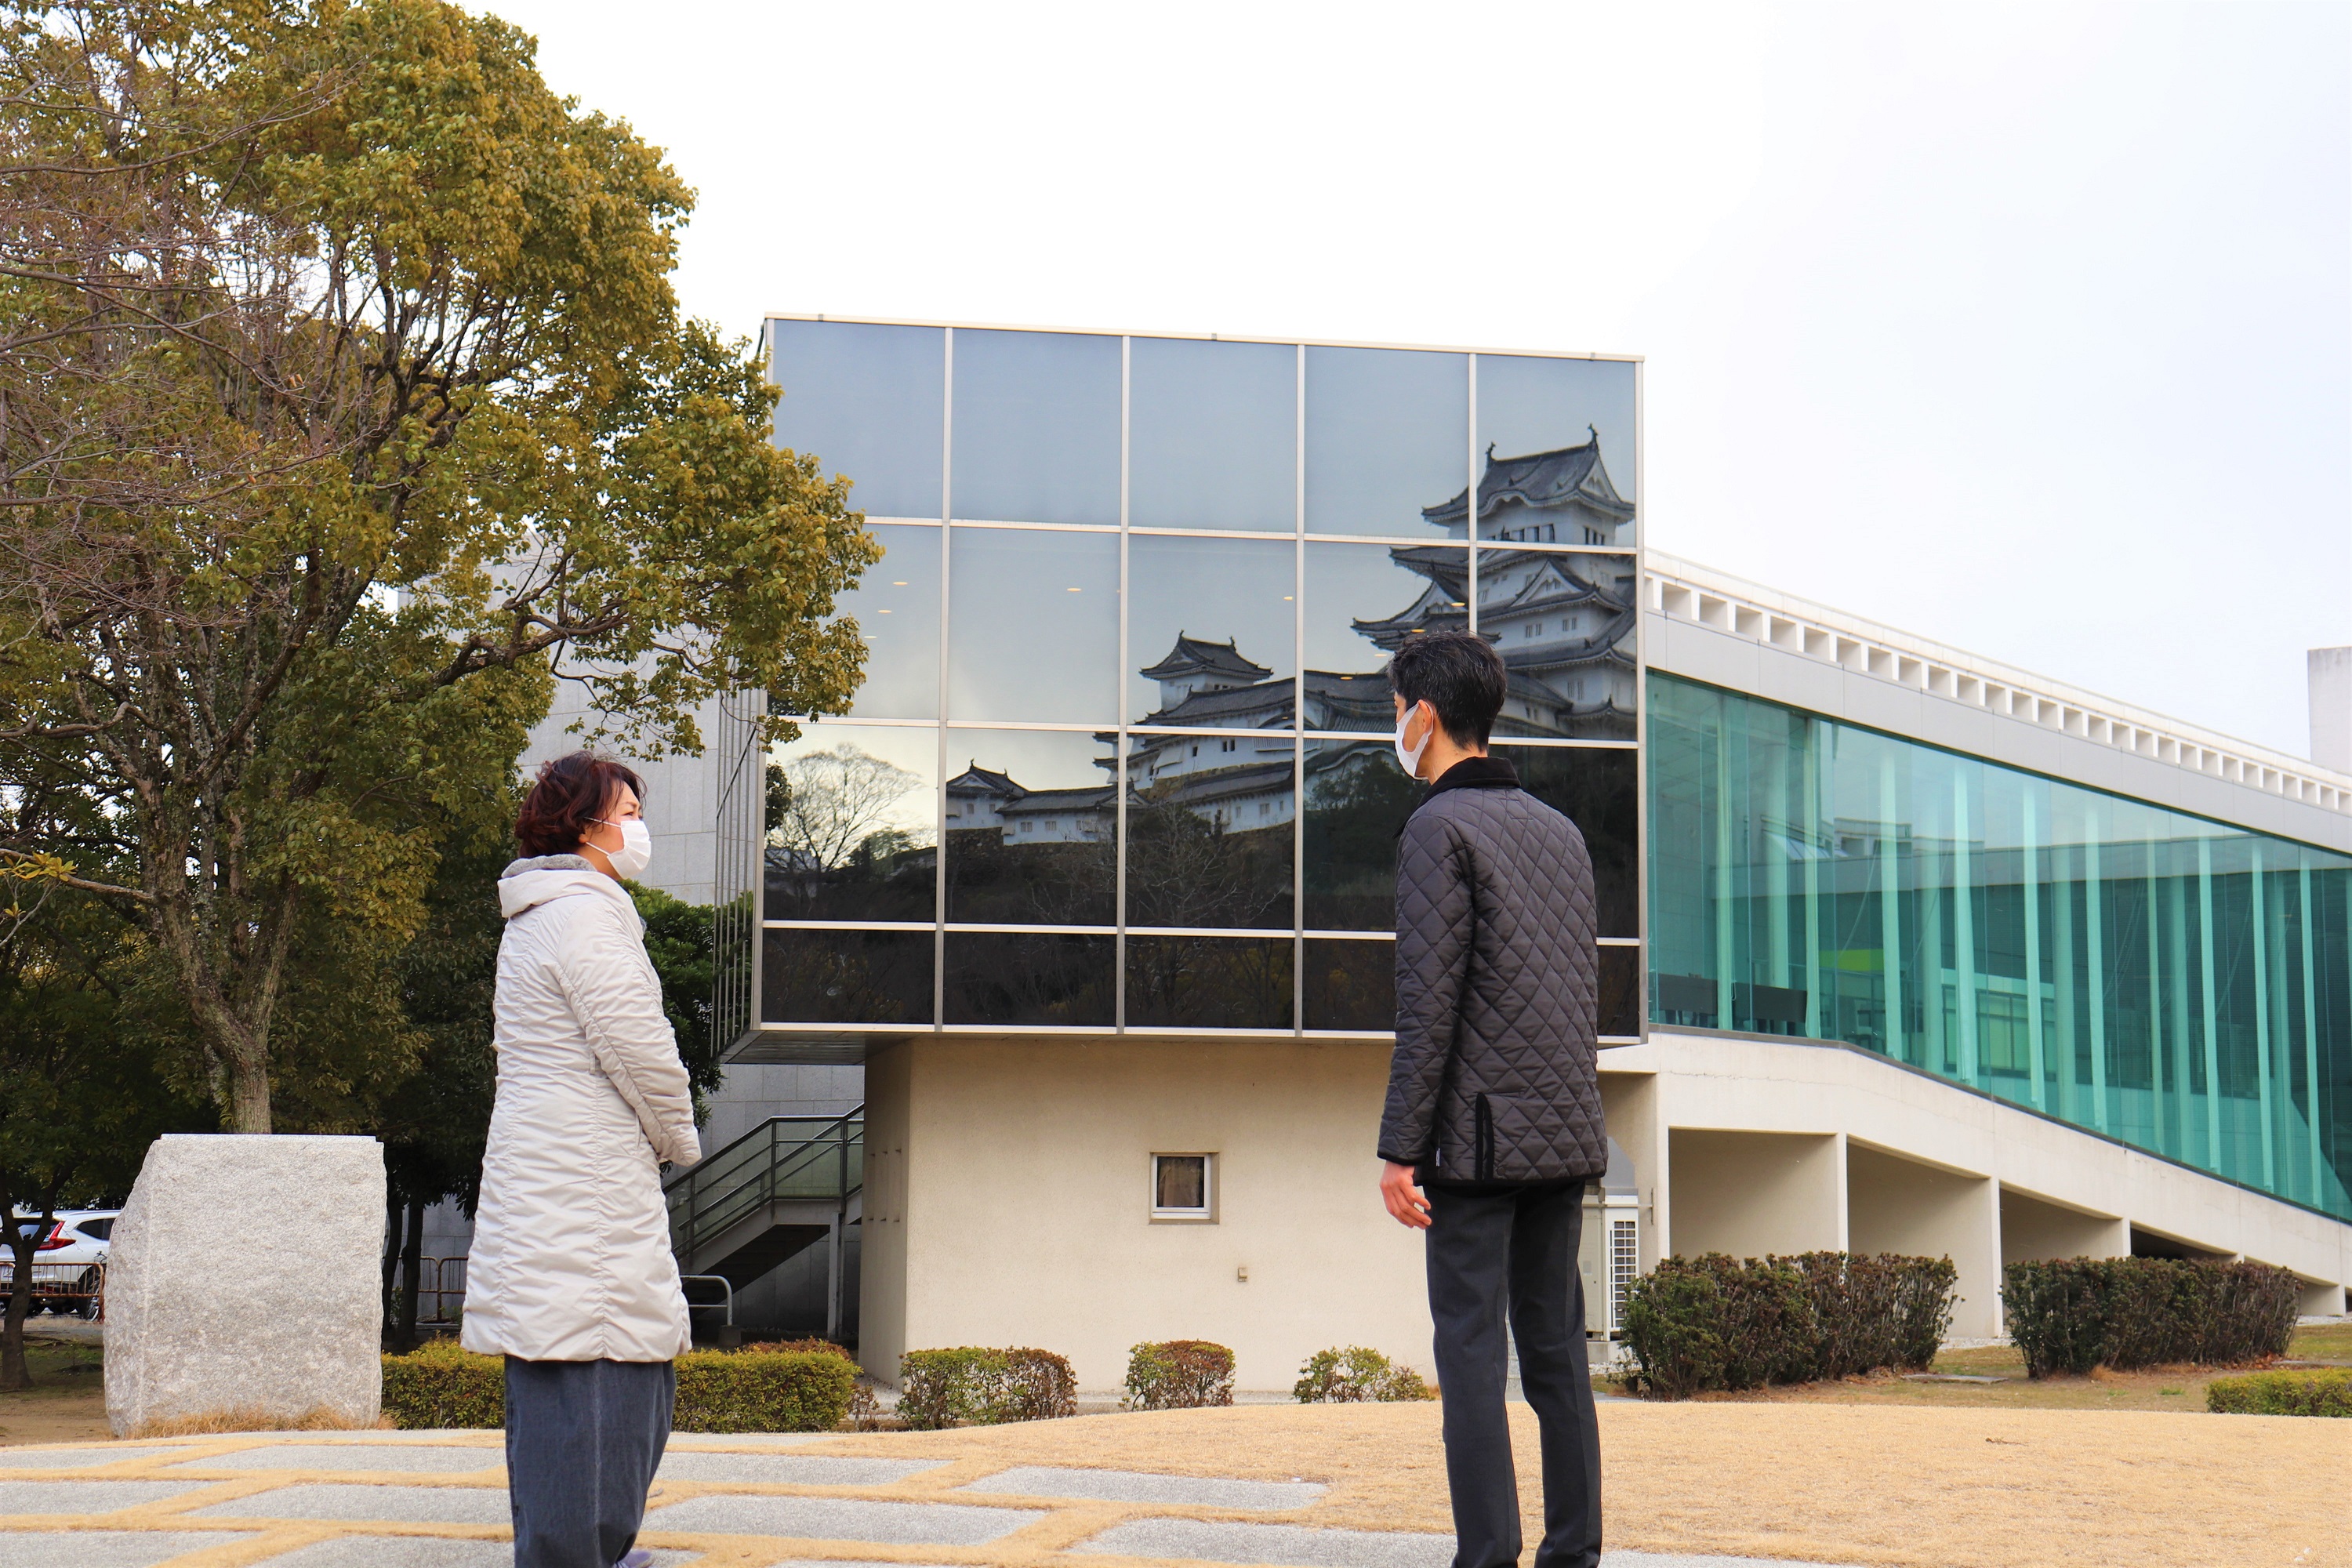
[411, 1266]
[249, 1079]
[23, 1244]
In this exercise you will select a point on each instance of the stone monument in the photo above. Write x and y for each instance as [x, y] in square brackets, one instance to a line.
[245, 1286]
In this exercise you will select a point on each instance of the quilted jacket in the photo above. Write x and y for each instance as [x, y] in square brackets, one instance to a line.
[1497, 988]
[570, 1258]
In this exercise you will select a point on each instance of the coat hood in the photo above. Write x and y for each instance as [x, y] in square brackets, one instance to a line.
[530, 883]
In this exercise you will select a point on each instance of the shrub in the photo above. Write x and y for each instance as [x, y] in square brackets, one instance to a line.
[2319, 1392]
[2071, 1314]
[442, 1385]
[1354, 1375]
[1179, 1374]
[717, 1391]
[970, 1386]
[762, 1391]
[1717, 1322]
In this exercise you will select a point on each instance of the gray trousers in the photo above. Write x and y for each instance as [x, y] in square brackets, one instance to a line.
[1496, 1248]
[584, 1439]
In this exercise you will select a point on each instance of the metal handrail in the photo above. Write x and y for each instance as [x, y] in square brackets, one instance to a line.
[807, 1157]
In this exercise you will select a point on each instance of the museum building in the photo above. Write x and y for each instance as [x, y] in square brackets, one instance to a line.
[1088, 898]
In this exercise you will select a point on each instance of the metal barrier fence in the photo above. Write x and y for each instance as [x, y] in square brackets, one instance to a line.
[440, 1289]
[77, 1290]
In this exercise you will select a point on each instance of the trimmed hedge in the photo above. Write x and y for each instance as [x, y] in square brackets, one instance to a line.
[971, 1386]
[1357, 1375]
[2071, 1314]
[1179, 1374]
[2318, 1392]
[717, 1391]
[1717, 1323]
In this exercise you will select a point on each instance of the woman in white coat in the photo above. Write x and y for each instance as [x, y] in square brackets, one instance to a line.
[571, 1276]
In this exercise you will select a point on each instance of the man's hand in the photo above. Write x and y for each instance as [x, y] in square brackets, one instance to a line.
[1407, 1202]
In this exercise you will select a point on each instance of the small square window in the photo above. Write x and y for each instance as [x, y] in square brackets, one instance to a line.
[1183, 1187]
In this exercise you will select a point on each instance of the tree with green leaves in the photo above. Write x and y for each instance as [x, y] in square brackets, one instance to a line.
[345, 407]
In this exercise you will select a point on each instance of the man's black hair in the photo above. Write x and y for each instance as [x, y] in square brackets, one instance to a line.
[1459, 674]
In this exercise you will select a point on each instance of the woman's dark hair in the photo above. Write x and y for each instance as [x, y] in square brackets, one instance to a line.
[1458, 674]
[569, 793]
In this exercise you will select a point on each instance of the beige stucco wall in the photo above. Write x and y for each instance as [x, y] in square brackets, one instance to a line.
[1901, 1205]
[1011, 1203]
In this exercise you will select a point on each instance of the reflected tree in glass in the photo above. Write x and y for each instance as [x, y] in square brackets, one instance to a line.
[1195, 855]
[1043, 979]
[1597, 790]
[817, 977]
[1356, 799]
[1349, 985]
[850, 834]
[1032, 824]
[1208, 983]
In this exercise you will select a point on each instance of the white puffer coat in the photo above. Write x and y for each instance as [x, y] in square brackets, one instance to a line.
[570, 1258]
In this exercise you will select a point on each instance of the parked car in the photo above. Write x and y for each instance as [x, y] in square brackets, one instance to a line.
[68, 1266]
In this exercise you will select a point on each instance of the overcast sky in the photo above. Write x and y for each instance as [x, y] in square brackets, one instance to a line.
[2027, 328]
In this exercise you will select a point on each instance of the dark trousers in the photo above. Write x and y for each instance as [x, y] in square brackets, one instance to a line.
[584, 1439]
[1490, 1245]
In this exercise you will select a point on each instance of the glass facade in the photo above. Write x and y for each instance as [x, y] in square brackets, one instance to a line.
[2178, 984]
[1121, 759]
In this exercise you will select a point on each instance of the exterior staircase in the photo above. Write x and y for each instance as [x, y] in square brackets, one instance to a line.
[782, 1188]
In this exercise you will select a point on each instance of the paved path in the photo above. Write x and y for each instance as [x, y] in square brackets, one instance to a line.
[437, 1500]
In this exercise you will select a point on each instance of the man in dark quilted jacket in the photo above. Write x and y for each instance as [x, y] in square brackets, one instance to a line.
[1493, 1125]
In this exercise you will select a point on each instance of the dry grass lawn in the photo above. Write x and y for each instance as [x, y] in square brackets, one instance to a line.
[1939, 1489]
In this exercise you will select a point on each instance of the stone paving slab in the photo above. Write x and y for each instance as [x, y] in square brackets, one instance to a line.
[1291, 1544]
[370, 1504]
[1684, 1560]
[1135, 1486]
[689, 1442]
[71, 1459]
[843, 1518]
[85, 1497]
[104, 1548]
[421, 1551]
[406, 1456]
[792, 1469]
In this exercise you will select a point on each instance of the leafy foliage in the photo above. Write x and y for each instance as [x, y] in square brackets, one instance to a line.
[345, 407]
[680, 941]
[443, 1385]
[1179, 1374]
[1357, 1375]
[970, 1386]
[2321, 1390]
[2069, 1315]
[1717, 1323]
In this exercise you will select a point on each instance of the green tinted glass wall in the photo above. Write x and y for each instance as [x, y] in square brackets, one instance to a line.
[2179, 984]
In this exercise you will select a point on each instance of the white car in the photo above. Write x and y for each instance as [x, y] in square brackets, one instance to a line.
[65, 1278]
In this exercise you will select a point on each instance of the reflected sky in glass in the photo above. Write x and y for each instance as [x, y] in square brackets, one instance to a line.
[869, 403]
[1361, 601]
[1033, 632]
[1387, 435]
[1528, 404]
[1036, 426]
[1213, 435]
[1235, 602]
[851, 822]
[897, 606]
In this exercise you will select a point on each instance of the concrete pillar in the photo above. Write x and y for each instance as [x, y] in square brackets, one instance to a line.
[882, 1293]
[1750, 1194]
[1630, 1102]
[1922, 1210]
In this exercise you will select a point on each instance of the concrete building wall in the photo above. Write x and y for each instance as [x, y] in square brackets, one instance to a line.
[1019, 1211]
[2032, 1230]
[1894, 1204]
[1750, 1194]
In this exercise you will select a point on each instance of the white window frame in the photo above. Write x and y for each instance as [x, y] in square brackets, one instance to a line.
[1207, 1212]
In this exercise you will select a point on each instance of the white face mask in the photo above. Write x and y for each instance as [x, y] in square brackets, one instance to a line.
[1410, 756]
[636, 850]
